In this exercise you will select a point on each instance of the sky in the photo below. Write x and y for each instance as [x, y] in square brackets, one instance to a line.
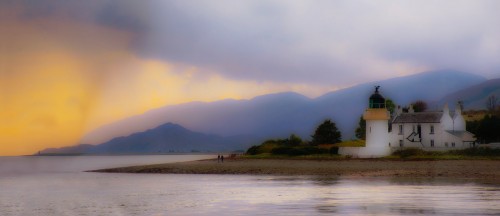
[69, 66]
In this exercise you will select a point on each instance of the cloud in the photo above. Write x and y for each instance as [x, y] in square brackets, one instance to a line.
[337, 43]
[61, 78]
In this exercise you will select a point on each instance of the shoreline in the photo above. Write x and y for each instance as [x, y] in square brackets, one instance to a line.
[474, 169]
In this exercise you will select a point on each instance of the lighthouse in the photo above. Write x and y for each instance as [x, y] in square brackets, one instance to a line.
[377, 133]
[431, 131]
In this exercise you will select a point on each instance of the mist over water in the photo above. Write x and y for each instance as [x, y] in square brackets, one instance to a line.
[65, 190]
[55, 164]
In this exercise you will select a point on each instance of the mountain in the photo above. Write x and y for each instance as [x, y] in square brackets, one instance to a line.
[165, 138]
[78, 149]
[347, 105]
[473, 97]
[278, 115]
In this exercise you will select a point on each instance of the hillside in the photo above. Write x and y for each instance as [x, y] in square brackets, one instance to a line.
[278, 115]
[474, 97]
[166, 138]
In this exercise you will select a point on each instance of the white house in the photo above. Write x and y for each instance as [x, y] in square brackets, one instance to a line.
[431, 131]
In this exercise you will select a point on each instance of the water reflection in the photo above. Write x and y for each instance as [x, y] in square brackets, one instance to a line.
[325, 180]
[394, 196]
[78, 193]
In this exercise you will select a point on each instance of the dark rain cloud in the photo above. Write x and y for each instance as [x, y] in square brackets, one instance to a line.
[324, 42]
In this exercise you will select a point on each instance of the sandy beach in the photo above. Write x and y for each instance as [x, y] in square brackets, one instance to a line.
[480, 169]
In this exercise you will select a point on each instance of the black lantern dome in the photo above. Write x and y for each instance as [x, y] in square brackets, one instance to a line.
[376, 100]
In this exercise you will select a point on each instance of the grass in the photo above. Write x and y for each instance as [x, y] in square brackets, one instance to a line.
[405, 154]
[303, 157]
[474, 115]
[480, 153]
[351, 143]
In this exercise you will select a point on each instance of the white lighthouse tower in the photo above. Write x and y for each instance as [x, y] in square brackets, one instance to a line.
[377, 133]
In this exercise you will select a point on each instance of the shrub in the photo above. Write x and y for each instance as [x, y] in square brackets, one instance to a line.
[314, 150]
[334, 150]
[408, 152]
[297, 151]
[253, 150]
[480, 151]
[281, 150]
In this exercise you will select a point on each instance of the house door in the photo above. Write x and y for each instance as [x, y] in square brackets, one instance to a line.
[419, 132]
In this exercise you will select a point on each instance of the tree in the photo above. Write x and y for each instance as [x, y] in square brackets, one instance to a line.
[326, 133]
[294, 140]
[487, 130]
[491, 103]
[389, 104]
[361, 130]
[419, 106]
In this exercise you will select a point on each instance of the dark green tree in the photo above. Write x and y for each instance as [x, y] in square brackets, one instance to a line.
[389, 104]
[361, 130]
[294, 140]
[419, 106]
[472, 126]
[253, 150]
[326, 133]
[488, 128]
[491, 103]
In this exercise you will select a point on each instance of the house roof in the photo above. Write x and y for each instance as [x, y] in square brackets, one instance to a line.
[466, 136]
[419, 117]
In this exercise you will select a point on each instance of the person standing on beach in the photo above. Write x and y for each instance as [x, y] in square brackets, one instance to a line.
[222, 158]
[218, 158]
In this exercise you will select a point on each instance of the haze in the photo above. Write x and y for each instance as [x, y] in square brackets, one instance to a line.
[68, 67]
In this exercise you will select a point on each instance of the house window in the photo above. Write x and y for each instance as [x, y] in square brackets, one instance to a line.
[400, 143]
[400, 129]
[432, 143]
[432, 129]
[452, 144]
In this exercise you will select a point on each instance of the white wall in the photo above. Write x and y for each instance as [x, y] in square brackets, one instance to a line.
[442, 139]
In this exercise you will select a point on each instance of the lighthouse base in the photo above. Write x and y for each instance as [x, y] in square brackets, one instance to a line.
[365, 152]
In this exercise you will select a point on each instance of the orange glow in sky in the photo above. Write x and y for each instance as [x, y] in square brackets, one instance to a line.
[60, 81]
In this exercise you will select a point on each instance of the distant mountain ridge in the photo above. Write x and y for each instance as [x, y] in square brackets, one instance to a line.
[166, 138]
[278, 115]
[473, 97]
[236, 124]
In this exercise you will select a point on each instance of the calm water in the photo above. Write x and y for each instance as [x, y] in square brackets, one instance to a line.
[56, 186]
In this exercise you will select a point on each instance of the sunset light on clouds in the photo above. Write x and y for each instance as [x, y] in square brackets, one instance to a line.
[68, 67]
[59, 84]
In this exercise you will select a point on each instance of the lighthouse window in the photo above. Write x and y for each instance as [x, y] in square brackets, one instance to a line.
[400, 143]
[432, 143]
[400, 129]
[432, 129]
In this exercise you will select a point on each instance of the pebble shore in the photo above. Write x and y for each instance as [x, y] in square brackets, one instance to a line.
[478, 169]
